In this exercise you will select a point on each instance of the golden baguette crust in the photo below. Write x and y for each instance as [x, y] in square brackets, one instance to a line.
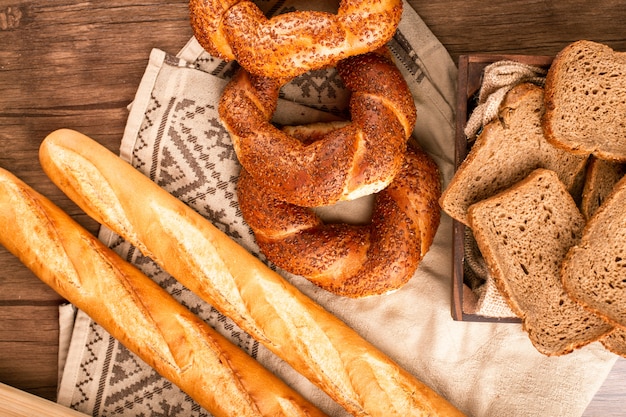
[292, 43]
[313, 341]
[138, 312]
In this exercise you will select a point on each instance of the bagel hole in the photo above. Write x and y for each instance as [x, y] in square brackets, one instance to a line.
[325, 99]
[318, 6]
[357, 212]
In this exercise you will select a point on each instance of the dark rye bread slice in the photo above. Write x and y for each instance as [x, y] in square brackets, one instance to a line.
[594, 271]
[601, 177]
[524, 234]
[506, 151]
[586, 100]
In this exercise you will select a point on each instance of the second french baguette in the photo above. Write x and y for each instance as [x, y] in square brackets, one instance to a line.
[135, 310]
[314, 342]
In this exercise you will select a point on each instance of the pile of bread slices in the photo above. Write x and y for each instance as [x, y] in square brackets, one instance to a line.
[543, 193]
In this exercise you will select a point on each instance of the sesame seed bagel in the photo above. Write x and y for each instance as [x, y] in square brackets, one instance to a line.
[358, 159]
[351, 260]
[292, 43]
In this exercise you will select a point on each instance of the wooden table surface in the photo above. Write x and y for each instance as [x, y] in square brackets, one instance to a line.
[77, 64]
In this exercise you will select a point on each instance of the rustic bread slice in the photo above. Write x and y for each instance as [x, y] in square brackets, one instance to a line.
[506, 151]
[601, 177]
[524, 234]
[586, 100]
[616, 342]
[594, 271]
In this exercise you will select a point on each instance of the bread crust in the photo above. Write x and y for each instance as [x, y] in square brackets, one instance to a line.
[314, 342]
[600, 178]
[616, 342]
[507, 150]
[292, 43]
[218, 375]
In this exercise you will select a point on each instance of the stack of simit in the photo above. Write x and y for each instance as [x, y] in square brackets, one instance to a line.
[289, 171]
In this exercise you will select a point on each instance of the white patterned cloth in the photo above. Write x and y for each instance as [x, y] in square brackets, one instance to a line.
[498, 79]
[174, 136]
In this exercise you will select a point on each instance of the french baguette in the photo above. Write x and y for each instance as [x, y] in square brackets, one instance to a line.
[181, 347]
[313, 341]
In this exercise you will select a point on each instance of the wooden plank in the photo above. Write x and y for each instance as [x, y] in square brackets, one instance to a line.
[609, 400]
[20, 287]
[17, 403]
[532, 27]
[29, 340]
[64, 64]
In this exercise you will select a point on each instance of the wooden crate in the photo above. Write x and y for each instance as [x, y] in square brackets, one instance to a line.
[469, 81]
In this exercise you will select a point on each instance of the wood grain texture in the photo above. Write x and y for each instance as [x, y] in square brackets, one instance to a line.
[14, 402]
[64, 64]
[77, 64]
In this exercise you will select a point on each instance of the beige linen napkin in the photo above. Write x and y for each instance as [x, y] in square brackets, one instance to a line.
[174, 137]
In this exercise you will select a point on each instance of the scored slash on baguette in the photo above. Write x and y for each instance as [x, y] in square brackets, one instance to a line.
[524, 234]
[586, 100]
[506, 151]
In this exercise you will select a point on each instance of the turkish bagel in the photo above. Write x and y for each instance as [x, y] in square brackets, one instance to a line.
[351, 260]
[358, 159]
[292, 43]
